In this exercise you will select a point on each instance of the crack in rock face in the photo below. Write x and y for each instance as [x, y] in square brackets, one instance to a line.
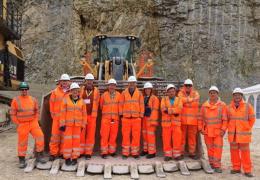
[212, 42]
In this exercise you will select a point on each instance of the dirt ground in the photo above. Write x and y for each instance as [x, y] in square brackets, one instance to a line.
[9, 164]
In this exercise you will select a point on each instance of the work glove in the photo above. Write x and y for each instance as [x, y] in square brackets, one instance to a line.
[63, 128]
[147, 111]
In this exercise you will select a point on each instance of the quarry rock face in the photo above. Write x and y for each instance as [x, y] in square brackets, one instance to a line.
[210, 41]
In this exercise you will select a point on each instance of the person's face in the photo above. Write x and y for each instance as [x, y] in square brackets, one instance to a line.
[237, 97]
[213, 95]
[65, 84]
[24, 92]
[188, 88]
[132, 85]
[111, 87]
[74, 92]
[148, 91]
[89, 83]
[171, 93]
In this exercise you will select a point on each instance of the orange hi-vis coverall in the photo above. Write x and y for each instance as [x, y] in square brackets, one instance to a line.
[149, 123]
[240, 123]
[91, 100]
[132, 111]
[74, 117]
[56, 99]
[213, 124]
[25, 113]
[109, 104]
[189, 119]
[171, 126]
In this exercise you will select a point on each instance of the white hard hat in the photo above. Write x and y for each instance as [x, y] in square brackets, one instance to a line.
[64, 77]
[213, 88]
[148, 85]
[74, 86]
[89, 76]
[188, 82]
[238, 90]
[169, 86]
[111, 81]
[132, 79]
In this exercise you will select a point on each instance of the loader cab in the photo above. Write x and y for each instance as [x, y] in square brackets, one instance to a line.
[116, 55]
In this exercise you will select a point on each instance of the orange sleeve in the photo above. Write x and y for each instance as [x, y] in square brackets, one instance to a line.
[101, 102]
[201, 119]
[163, 105]
[52, 103]
[155, 110]
[141, 102]
[63, 112]
[224, 117]
[95, 103]
[36, 109]
[121, 103]
[251, 116]
[13, 111]
[84, 115]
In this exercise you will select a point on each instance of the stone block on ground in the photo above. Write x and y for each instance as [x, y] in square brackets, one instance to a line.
[70, 168]
[134, 171]
[31, 163]
[108, 171]
[81, 169]
[55, 167]
[183, 168]
[159, 170]
[95, 168]
[170, 167]
[45, 166]
[120, 169]
[193, 165]
[146, 169]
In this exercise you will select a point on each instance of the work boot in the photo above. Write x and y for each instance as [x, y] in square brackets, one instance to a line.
[249, 175]
[52, 158]
[22, 163]
[167, 158]
[104, 156]
[150, 156]
[40, 158]
[68, 162]
[74, 162]
[124, 157]
[179, 158]
[136, 156]
[193, 157]
[87, 156]
[235, 171]
[218, 170]
[143, 153]
[113, 154]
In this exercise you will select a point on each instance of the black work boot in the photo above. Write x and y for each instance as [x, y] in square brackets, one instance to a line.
[87, 156]
[40, 158]
[124, 157]
[218, 170]
[104, 156]
[22, 163]
[235, 171]
[150, 156]
[113, 154]
[249, 175]
[74, 162]
[68, 162]
[167, 158]
[194, 157]
[52, 158]
[135, 156]
[143, 153]
[179, 158]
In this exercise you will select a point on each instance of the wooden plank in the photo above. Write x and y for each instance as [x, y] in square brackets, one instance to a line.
[134, 171]
[183, 168]
[159, 170]
[31, 163]
[108, 171]
[206, 167]
[55, 167]
[81, 169]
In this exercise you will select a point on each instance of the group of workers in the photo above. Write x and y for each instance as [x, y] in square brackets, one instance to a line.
[74, 112]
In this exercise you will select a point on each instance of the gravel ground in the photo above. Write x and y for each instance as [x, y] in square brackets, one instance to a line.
[9, 164]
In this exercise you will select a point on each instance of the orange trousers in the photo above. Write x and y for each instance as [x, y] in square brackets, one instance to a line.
[149, 142]
[172, 141]
[214, 147]
[108, 134]
[23, 130]
[71, 142]
[131, 127]
[240, 155]
[87, 139]
[56, 141]
[190, 131]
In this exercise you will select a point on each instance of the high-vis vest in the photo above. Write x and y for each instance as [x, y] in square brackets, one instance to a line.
[24, 109]
[240, 122]
[132, 106]
[213, 118]
[73, 114]
[190, 111]
[110, 106]
[169, 118]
